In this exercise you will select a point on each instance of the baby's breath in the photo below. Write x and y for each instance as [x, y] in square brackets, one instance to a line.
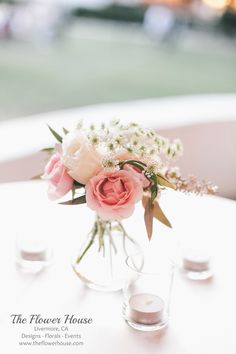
[111, 146]
[133, 125]
[152, 151]
[129, 148]
[115, 122]
[142, 148]
[80, 124]
[94, 139]
[146, 144]
[152, 167]
[103, 126]
[110, 164]
[135, 142]
[119, 140]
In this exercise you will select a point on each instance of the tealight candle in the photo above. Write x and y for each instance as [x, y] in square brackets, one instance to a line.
[146, 308]
[33, 253]
[196, 261]
[147, 292]
[32, 250]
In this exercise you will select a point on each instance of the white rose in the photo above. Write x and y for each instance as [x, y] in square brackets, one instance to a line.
[80, 157]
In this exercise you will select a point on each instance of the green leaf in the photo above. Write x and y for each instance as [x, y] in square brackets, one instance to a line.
[100, 232]
[148, 218]
[89, 244]
[78, 185]
[159, 215]
[163, 181]
[65, 131]
[73, 193]
[76, 201]
[49, 150]
[55, 134]
[135, 163]
[154, 190]
[152, 178]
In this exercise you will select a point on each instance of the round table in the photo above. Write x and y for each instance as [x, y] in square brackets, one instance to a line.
[162, 113]
[203, 317]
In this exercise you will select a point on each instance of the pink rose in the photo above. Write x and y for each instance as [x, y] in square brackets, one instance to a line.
[139, 174]
[113, 194]
[59, 182]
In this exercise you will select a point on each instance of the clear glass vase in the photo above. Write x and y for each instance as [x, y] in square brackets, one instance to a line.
[100, 262]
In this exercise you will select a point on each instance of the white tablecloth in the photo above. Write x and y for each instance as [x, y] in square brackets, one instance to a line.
[203, 313]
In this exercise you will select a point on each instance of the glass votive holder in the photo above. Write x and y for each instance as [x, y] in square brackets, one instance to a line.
[147, 293]
[196, 264]
[33, 253]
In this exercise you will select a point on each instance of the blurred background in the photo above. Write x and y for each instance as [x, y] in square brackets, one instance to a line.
[172, 64]
[58, 54]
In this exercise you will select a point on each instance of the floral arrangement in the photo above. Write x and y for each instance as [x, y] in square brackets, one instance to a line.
[111, 167]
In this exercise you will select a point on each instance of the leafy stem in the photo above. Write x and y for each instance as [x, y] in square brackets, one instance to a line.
[91, 241]
[135, 163]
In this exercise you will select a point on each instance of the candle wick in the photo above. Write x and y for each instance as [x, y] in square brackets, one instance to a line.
[149, 302]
